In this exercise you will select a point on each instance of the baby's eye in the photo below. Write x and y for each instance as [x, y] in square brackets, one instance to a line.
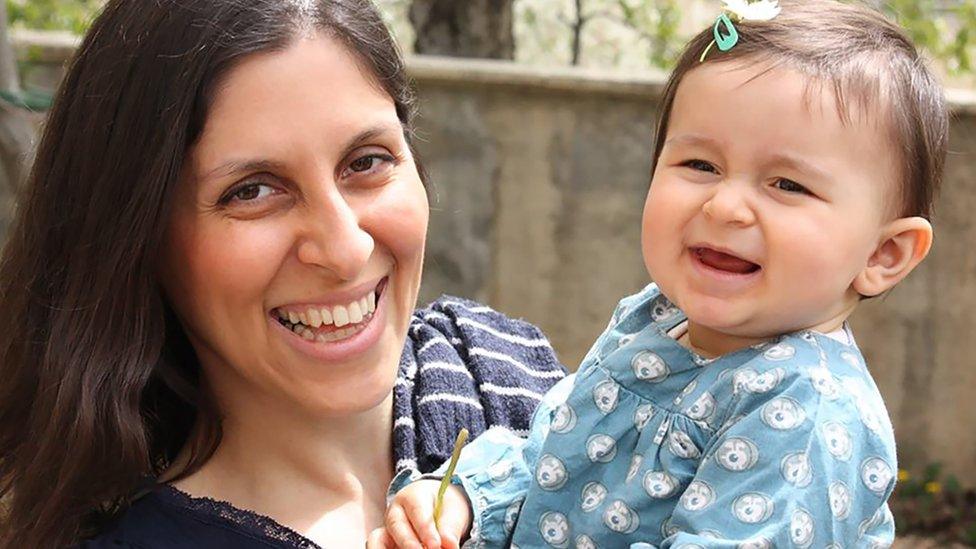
[700, 165]
[790, 186]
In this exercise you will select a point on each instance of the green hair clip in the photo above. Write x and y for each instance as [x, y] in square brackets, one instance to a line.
[724, 31]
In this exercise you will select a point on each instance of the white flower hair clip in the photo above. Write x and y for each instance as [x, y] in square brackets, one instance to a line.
[726, 35]
[743, 10]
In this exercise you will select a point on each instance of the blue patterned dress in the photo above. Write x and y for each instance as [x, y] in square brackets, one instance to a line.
[785, 444]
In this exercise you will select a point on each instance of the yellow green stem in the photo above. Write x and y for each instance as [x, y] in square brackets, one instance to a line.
[446, 481]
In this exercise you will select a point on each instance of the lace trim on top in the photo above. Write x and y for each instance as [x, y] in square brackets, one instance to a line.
[249, 521]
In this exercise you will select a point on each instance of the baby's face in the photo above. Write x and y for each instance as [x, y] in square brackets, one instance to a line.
[765, 205]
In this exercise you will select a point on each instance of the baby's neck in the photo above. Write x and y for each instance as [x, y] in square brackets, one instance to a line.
[710, 343]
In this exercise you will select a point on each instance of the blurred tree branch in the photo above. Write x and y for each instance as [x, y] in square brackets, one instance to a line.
[469, 28]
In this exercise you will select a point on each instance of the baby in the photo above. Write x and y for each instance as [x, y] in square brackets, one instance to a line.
[726, 404]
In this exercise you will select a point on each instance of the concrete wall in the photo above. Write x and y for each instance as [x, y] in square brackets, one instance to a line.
[539, 180]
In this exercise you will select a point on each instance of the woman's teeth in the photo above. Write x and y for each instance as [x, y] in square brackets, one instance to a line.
[304, 321]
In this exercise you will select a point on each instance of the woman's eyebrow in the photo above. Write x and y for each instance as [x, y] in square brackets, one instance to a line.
[369, 134]
[234, 167]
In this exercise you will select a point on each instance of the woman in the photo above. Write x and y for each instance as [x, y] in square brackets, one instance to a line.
[209, 337]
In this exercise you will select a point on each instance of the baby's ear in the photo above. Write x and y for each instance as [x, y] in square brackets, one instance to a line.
[904, 244]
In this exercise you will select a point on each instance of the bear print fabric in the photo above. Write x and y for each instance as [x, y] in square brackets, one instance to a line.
[785, 444]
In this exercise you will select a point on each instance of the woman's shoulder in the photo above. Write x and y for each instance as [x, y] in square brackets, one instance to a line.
[167, 518]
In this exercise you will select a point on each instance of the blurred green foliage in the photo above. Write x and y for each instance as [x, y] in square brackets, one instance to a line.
[69, 15]
[627, 32]
[945, 28]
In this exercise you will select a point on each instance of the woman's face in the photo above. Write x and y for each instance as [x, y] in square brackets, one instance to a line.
[295, 247]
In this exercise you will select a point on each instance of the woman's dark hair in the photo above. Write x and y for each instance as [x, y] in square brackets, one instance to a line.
[101, 388]
[867, 61]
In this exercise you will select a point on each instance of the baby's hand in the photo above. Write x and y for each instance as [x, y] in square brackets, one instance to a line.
[410, 519]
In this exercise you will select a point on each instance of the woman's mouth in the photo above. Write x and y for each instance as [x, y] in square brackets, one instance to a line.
[331, 323]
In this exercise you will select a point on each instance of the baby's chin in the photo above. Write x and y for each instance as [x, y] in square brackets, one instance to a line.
[747, 330]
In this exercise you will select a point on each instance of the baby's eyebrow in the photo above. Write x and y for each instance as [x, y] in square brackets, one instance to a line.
[693, 139]
[797, 163]
[775, 158]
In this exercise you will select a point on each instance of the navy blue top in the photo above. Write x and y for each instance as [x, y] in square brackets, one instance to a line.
[463, 365]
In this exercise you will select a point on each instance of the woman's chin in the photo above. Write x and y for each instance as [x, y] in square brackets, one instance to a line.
[352, 397]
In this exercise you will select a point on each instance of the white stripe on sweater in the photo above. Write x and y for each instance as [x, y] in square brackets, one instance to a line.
[404, 421]
[542, 374]
[509, 391]
[435, 314]
[431, 343]
[479, 309]
[448, 397]
[406, 463]
[447, 366]
[511, 338]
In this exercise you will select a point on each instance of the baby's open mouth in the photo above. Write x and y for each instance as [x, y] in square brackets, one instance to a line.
[724, 262]
[327, 323]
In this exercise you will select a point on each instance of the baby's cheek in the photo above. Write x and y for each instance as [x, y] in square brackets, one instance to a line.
[655, 240]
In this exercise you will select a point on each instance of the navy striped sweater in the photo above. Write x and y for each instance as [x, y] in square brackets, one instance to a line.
[466, 365]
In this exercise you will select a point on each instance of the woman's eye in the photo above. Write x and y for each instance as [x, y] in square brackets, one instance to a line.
[249, 193]
[790, 186]
[701, 166]
[368, 163]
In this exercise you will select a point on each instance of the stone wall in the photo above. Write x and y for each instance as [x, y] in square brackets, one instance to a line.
[539, 180]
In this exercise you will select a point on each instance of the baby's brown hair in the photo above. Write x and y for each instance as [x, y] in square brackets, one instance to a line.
[866, 60]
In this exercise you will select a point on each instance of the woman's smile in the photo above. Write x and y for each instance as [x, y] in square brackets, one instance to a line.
[337, 327]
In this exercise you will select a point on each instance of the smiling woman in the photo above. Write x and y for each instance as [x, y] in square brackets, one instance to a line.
[312, 218]
[210, 338]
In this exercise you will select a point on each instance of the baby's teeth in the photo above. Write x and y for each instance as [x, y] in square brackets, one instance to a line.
[314, 318]
[371, 302]
[303, 318]
[292, 317]
[340, 316]
[364, 305]
[308, 335]
[355, 313]
[326, 316]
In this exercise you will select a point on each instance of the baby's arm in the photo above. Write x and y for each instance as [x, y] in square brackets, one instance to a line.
[791, 468]
[493, 474]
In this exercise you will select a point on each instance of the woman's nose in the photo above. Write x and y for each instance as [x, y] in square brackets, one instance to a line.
[334, 239]
[728, 205]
